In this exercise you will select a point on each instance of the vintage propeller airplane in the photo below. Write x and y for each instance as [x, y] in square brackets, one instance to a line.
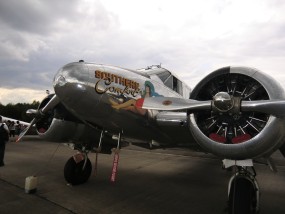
[235, 113]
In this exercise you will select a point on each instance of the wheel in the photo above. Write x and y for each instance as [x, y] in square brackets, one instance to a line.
[73, 172]
[242, 198]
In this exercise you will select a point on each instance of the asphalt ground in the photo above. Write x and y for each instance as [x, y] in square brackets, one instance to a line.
[148, 181]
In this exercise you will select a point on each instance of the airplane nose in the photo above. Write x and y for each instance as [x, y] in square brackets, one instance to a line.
[70, 82]
[73, 73]
[59, 81]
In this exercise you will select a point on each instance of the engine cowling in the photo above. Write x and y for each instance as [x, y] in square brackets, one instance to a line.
[55, 123]
[234, 133]
[58, 124]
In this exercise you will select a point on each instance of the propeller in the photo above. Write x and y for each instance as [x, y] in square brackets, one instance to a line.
[38, 114]
[274, 107]
[222, 102]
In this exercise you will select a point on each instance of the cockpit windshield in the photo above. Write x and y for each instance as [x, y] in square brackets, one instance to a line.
[168, 79]
[164, 75]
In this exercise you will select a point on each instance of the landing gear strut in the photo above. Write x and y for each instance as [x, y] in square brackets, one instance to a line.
[243, 191]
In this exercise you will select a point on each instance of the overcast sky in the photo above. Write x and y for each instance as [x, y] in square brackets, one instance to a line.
[190, 38]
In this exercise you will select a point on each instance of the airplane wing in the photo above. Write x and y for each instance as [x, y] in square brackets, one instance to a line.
[14, 120]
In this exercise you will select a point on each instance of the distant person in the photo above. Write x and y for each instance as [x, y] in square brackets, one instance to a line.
[4, 138]
[8, 122]
[12, 129]
[18, 128]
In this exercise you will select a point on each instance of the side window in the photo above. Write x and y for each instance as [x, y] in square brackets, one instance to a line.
[180, 87]
[175, 83]
[177, 86]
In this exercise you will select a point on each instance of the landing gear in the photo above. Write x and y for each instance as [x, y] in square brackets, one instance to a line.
[77, 171]
[243, 192]
[78, 168]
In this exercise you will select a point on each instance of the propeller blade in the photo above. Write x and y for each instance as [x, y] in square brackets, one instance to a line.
[274, 107]
[51, 104]
[38, 114]
[173, 103]
[32, 112]
[22, 134]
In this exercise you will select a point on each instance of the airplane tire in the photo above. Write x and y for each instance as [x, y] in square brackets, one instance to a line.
[73, 172]
[242, 197]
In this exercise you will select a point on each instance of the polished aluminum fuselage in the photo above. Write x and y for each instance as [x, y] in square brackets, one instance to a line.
[94, 93]
[108, 98]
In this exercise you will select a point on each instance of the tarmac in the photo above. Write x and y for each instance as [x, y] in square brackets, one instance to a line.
[148, 181]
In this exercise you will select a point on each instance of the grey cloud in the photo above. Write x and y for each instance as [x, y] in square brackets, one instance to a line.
[51, 17]
[19, 75]
[27, 26]
[36, 16]
[38, 37]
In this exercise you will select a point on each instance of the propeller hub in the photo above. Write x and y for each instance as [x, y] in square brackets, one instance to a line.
[223, 101]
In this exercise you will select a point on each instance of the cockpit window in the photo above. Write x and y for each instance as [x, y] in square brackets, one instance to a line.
[164, 75]
[177, 86]
[169, 82]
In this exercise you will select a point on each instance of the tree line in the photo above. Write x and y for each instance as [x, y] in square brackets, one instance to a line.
[18, 111]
